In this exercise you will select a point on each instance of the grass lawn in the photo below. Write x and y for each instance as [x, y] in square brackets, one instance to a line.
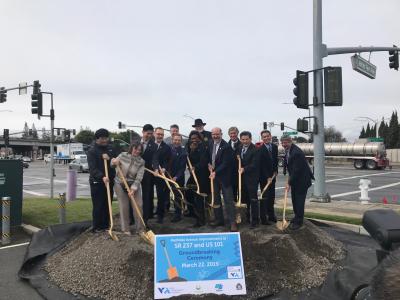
[41, 212]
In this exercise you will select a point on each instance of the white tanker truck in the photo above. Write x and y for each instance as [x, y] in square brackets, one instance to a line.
[363, 154]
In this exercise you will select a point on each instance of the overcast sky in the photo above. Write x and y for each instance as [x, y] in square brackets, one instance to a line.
[228, 62]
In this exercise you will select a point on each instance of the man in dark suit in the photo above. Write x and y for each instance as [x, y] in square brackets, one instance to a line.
[250, 173]
[148, 179]
[234, 142]
[177, 170]
[98, 181]
[300, 176]
[161, 160]
[199, 127]
[268, 167]
[220, 164]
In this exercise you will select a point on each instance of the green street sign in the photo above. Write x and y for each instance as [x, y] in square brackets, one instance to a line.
[290, 133]
[375, 139]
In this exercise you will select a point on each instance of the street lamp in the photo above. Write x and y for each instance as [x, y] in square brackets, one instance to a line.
[6, 110]
[362, 119]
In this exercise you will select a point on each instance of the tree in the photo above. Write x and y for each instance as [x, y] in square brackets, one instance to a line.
[85, 136]
[332, 135]
[368, 131]
[394, 131]
[34, 131]
[25, 133]
[45, 135]
[362, 134]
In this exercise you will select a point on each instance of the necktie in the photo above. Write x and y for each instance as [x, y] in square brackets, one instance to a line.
[244, 149]
[214, 153]
[144, 146]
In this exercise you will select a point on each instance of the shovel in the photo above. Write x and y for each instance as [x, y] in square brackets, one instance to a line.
[212, 195]
[239, 196]
[172, 271]
[148, 236]
[282, 225]
[113, 236]
[195, 178]
[267, 185]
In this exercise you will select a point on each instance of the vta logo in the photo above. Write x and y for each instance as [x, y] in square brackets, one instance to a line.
[234, 275]
[164, 290]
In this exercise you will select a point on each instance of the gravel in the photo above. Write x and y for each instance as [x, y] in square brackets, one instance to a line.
[98, 267]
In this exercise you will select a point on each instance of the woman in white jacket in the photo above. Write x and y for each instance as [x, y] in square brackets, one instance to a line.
[132, 166]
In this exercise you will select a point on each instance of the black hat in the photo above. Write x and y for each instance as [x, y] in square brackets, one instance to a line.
[198, 122]
[101, 133]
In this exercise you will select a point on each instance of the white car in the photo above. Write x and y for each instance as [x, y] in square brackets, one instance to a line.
[26, 159]
[47, 158]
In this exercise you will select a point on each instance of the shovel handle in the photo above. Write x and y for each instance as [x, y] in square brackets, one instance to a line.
[108, 194]
[121, 175]
[193, 174]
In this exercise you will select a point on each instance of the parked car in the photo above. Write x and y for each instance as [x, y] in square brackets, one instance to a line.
[79, 164]
[25, 164]
[26, 159]
[48, 156]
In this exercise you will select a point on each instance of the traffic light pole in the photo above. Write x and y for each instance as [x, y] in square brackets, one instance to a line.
[52, 116]
[320, 51]
[320, 194]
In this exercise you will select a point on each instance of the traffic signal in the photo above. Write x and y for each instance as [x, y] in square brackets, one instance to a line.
[6, 137]
[302, 125]
[3, 95]
[119, 125]
[37, 99]
[301, 90]
[282, 126]
[394, 59]
[73, 131]
[58, 131]
[265, 125]
[67, 135]
[333, 86]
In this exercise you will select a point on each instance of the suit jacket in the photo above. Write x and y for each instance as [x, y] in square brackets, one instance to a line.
[161, 156]
[250, 164]
[178, 164]
[199, 160]
[148, 154]
[96, 163]
[223, 162]
[268, 161]
[300, 174]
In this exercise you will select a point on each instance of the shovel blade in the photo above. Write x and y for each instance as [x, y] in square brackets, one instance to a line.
[282, 225]
[113, 236]
[172, 273]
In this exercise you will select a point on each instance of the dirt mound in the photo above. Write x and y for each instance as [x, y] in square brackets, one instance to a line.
[95, 266]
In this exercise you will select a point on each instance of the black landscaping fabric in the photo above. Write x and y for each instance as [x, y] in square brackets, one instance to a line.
[356, 269]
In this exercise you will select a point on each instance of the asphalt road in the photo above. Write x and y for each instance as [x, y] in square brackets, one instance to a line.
[342, 182]
[11, 257]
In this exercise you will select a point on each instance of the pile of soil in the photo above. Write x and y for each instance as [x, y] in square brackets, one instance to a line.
[96, 266]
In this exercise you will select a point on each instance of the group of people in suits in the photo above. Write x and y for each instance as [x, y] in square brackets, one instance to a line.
[215, 167]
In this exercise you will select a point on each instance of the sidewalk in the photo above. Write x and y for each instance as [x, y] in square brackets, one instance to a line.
[339, 207]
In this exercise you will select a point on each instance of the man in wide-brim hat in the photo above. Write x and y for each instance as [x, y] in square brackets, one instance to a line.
[199, 127]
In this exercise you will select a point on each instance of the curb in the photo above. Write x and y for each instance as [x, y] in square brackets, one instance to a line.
[354, 228]
[30, 229]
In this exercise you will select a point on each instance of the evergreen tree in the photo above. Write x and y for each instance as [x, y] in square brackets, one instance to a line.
[362, 134]
[368, 131]
[25, 133]
[393, 132]
[34, 131]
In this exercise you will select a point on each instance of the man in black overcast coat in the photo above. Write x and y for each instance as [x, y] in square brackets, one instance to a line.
[299, 181]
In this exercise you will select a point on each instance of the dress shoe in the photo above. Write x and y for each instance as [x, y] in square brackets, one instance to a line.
[295, 226]
[176, 219]
[265, 222]
[216, 224]
[234, 227]
[272, 220]
[160, 220]
[197, 225]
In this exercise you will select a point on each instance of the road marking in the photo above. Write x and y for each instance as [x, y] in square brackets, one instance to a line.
[361, 176]
[13, 246]
[55, 180]
[34, 193]
[352, 177]
[372, 189]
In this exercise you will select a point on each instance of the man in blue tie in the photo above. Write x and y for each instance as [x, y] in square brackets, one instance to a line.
[268, 168]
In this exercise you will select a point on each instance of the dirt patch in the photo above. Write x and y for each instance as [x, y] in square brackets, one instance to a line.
[94, 265]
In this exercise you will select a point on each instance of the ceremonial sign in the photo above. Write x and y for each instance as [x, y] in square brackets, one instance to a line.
[198, 264]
